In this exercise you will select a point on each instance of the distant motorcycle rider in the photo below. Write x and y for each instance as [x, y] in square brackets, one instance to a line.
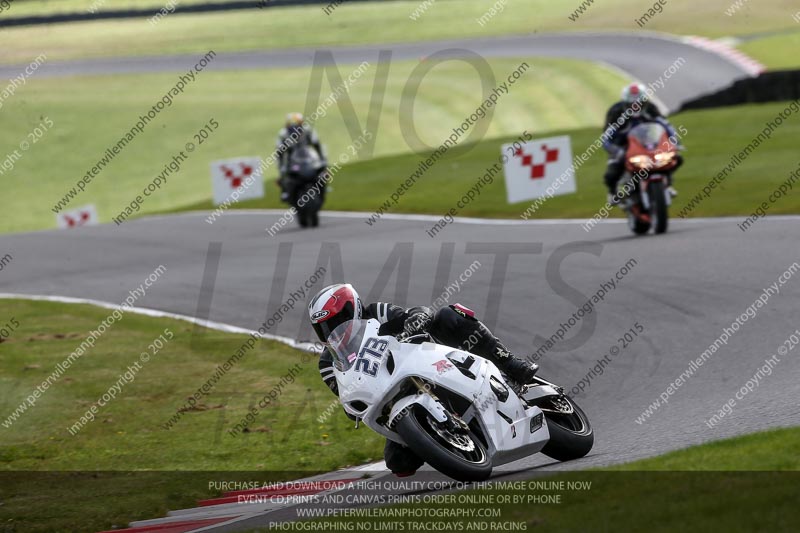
[453, 325]
[634, 109]
[294, 133]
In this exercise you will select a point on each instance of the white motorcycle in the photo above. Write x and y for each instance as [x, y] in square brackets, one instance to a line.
[454, 409]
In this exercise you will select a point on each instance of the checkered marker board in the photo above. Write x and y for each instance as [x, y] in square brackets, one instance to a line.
[233, 175]
[538, 168]
[82, 216]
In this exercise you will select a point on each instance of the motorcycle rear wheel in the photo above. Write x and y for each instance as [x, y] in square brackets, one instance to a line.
[571, 435]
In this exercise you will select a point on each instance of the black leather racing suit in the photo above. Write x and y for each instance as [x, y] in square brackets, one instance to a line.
[288, 139]
[453, 326]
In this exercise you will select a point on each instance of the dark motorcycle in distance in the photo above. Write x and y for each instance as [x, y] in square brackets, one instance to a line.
[650, 158]
[306, 177]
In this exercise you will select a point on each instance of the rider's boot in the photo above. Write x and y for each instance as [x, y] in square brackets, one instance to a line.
[284, 185]
[518, 369]
[400, 459]
[673, 192]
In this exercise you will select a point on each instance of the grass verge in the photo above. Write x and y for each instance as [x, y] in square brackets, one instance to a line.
[127, 454]
[747, 483]
[50, 7]
[776, 52]
[132, 432]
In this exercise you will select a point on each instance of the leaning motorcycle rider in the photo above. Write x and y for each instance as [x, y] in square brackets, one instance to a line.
[453, 325]
[296, 132]
[634, 109]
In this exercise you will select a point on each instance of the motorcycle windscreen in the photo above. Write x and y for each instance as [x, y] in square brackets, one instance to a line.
[305, 156]
[345, 341]
[305, 163]
[649, 134]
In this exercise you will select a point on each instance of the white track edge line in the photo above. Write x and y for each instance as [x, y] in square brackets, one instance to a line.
[462, 220]
[210, 324]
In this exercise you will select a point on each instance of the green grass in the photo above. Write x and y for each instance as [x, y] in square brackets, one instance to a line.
[373, 22]
[128, 433]
[767, 451]
[776, 52]
[745, 484]
[20, 8]
[88, 119]
[91, 501]
[77, 140]
[713, 138]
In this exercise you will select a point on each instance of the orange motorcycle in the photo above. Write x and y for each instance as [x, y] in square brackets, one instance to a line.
[650, 158]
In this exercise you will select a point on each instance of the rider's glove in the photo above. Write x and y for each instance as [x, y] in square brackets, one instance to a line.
[415, 324]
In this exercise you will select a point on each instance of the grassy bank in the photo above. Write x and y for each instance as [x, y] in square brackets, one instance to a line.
[133, 431]
[712, 138]
[250, 112]
[52, 480]
[776, 52]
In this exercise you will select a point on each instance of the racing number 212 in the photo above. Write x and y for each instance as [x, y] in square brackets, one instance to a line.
[375, 348]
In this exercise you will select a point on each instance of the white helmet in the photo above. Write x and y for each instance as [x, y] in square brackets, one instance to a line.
[332, 306]
[634, 92]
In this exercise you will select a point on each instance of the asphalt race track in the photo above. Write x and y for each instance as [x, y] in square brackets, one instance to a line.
[643, 55]
[683, 288]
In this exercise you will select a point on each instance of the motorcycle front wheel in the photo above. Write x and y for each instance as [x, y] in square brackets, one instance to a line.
[658, 206]
[308, 214]
[635, 223]
[461, 456]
